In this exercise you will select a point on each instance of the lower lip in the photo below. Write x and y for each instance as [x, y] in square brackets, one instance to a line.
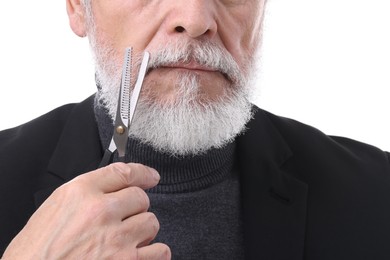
[186, 69]
[189, 69]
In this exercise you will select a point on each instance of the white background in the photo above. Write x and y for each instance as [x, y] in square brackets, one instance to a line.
[324, 62]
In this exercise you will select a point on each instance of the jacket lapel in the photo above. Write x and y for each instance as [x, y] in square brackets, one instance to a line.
[78, 150]
[274, 202]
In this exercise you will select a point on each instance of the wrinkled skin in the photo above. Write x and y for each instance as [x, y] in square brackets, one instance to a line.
[92, 217]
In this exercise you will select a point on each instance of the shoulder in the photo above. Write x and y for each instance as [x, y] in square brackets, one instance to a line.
[308, 142]
[44, 128]
[32, 144]
[36, 132]
[318, 159]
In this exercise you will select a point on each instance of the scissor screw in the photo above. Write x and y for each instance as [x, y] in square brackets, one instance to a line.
[120, 129]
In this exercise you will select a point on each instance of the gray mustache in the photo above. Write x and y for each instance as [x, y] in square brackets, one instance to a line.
[205, 54]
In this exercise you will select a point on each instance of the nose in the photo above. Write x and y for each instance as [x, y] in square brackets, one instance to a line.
[195, 18]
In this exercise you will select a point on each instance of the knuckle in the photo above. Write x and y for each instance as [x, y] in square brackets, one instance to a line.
[74, 188]
[140, 171]
[141, 198]
[123, 172]
[152, 221]
[165, 252]
[162, 251]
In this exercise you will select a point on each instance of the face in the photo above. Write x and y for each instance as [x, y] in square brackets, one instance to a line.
[208, 45]
[233, 25]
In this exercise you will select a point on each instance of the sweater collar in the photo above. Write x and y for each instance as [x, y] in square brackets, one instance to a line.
[178, 174]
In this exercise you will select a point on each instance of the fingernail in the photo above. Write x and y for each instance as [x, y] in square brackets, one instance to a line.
[155, 174]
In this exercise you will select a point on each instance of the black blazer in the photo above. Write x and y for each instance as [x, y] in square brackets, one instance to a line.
[305, 195]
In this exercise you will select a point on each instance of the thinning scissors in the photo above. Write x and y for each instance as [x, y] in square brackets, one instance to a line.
[125, 109]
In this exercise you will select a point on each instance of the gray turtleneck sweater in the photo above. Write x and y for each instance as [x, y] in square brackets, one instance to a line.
[197, 201]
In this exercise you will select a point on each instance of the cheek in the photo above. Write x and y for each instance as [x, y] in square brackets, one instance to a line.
[122, 23]
[241, 29]
[251, 35]
[250, 41]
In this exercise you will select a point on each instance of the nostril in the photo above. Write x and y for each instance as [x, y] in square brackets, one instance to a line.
[179, 29]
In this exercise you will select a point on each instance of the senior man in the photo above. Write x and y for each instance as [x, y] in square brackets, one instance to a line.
[232, 181]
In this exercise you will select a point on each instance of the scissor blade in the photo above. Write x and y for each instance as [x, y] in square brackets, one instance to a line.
[121, 130]
[124, 98]
[138, 85]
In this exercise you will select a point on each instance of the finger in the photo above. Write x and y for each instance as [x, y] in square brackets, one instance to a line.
[154, 251]
[142, 228]
[117, 176]
[128, 202]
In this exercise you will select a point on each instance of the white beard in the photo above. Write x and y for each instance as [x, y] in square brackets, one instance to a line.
[187, 125]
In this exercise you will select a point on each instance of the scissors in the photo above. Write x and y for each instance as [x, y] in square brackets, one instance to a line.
[126, 108]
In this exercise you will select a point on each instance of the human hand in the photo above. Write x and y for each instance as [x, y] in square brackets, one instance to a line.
[98, 215]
